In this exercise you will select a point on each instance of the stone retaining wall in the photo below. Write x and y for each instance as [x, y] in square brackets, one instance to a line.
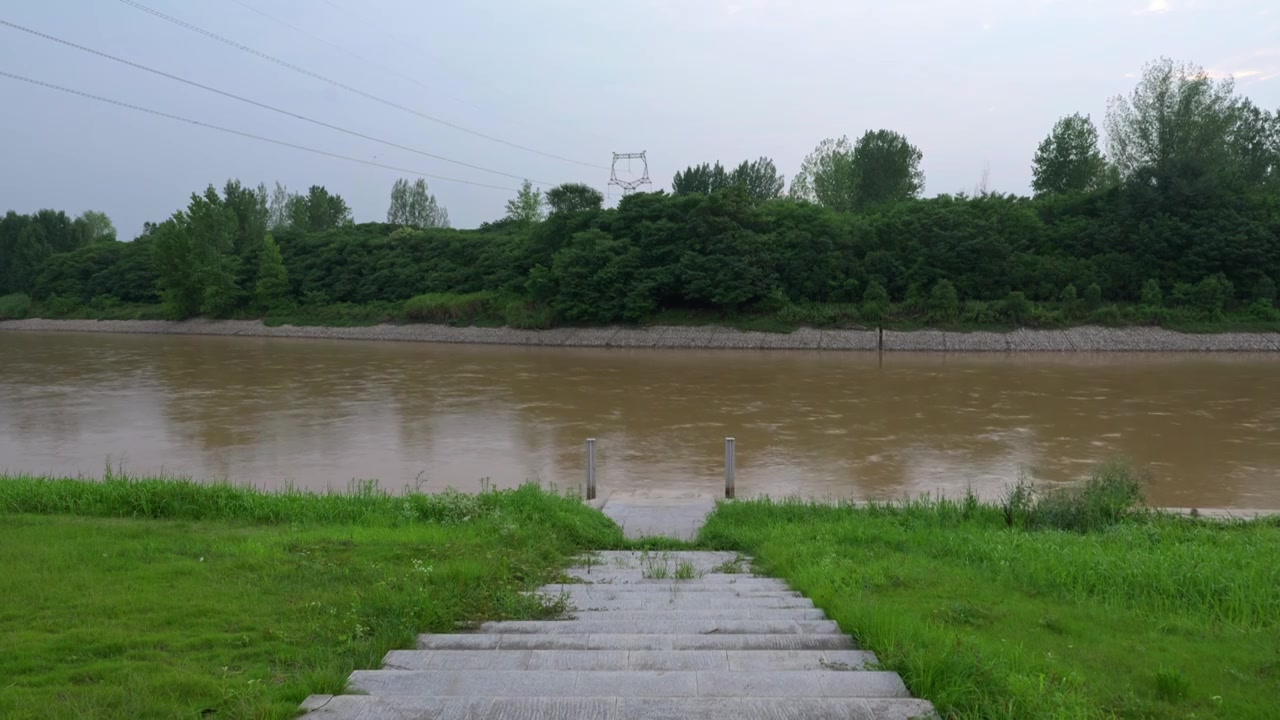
[1087, 339]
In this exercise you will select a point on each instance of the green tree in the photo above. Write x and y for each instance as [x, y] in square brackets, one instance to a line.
[194, 258]
[1093, 297]
[1152, 297]
[252, 215]
[1068, 160]
[1172, 133]
[944, 302]
[875, 302]
[30, 249]
[827, 176]
[93, 227]
[413, 206]
[278, 216]
[272, 289]
[526, 206]
[702, 179]
[574, 197]
[1255, 144]
[887, 169]
[318, 210]
[760, 178]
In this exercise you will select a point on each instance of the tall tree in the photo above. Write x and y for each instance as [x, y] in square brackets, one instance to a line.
[11, 227]
[31, 249]
[412, 205]
[703, 179]
[278, 208]
[93, 227]
[194, 258]
[272, 288]
[318, 210]
[526, 206]
[59, 230]
[574, 197]
[827, 176]
[252, 214]
[1068, 160]
[1172, 132]
[887, 169]
[882, 166]
[1255, 144]
[760, 177]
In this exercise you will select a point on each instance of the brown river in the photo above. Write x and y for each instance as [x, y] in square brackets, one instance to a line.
[319, 413]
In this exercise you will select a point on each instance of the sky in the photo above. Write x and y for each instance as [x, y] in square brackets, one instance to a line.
[975, 84]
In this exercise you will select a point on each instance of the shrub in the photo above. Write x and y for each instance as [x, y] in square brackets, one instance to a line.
[1092, 297]
[1265, 291]
[1210, 295]
[1113, 492]
[15, 306]
[1069, 295]
[875, 302]
[1017, 309]
[944, 302]
[525, 314]
[977, 312]
[820, 314]
[1108, 315]
[1151, 295]
[1264, 310]
[448, 307]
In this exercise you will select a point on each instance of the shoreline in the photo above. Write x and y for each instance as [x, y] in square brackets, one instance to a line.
[1077, 339]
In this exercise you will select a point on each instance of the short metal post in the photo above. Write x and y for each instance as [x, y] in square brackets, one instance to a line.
[591, 468]
[728, 468]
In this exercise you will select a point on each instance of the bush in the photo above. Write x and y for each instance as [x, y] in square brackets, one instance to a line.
[820, 315]
[449, 307]
[15, 306]
[875, 302]
[1210, 295]
[1151, 295]
[1092, 297]
[944, 303]
[525, 314]
[1069, 296]
[1113, 492]
[1016, 309]
[1265, 291]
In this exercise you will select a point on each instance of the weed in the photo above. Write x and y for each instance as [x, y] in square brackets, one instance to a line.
[1171, 685]
[686, 571]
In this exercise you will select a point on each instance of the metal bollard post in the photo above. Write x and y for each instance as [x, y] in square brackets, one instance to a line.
[591, 468]
[728, 468]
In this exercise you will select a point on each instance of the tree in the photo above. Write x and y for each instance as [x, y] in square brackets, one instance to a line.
[93, 227]
[1068, 160]
[881, 167]
[827, 176]
[760, 178]
[1255, 144]
[526, 206]
[318, 210]
[272, 289]
[886, 168]
[574, 197]
[278, 208]
[413, 206]
[29, 251]
[252, 215]
[703, 179]
[1172, 132]
[193, 256]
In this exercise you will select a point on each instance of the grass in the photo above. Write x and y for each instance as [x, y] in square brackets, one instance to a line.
[15, 306]
[1079, 605]
[162, 598]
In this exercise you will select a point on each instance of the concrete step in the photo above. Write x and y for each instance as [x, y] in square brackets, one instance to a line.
[667, 615]
[366, 707]
[613, 641]
[591, 600]
[629, 683]
[629, 660]
[671, 626]
[739, 584]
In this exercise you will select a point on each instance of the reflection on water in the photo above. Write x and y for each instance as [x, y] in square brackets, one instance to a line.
[317, 414]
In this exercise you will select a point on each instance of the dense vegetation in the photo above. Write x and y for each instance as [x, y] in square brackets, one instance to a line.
[1070, 605]
[1178, 222]
[170, 599]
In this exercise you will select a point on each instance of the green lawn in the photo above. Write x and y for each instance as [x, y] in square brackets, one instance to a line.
[160, 600]
[1147, 617]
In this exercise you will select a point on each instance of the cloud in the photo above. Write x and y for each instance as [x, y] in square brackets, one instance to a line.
[1157, 6]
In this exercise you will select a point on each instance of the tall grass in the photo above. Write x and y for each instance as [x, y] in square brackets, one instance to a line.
[450, 308]
[15, 306]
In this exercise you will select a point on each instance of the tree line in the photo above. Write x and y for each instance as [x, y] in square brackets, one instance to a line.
[1178, 209]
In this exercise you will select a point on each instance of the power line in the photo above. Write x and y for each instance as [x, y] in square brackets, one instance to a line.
[265, 106]
[242, 133]
[381, 66]
[348, 88]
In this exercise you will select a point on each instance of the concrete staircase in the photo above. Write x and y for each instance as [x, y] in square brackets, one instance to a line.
[652, 636]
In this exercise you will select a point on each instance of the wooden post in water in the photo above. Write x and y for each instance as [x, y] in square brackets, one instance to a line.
[591, 468]
[728, 468]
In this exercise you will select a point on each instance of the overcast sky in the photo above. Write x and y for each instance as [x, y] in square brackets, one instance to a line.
[972, 83]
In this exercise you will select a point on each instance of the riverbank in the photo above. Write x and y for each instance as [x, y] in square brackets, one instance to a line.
[1080, 606]
[160, 598]
[1078, 339]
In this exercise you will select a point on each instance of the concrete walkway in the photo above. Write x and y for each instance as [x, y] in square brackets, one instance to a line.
[646, 513]
[649, 636]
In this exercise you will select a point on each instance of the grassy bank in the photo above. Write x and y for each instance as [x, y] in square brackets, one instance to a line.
[496, 310]
[170, 599]
[1054, 607]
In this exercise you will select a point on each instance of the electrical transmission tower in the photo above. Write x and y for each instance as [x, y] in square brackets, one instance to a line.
[629, 186]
